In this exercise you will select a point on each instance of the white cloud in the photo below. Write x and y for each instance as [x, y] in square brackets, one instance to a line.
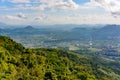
[21, 15]
[112, 6]
[41, 17]
[69, 4]
[3, 8]
[37, 19]
[19, 1]
[63, 12]
[12, 17]
[43, 4]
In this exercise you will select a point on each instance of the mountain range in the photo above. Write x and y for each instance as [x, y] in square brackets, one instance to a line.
[107, 32]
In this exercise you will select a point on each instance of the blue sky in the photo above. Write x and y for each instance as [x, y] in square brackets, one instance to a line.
[60, 11]
[81, 1]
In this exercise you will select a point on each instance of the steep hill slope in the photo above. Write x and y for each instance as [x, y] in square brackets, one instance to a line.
[18, 63]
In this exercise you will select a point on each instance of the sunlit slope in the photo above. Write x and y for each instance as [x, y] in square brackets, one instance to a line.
[19, 63]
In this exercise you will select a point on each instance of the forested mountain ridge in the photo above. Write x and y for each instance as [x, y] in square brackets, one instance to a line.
[19, 63]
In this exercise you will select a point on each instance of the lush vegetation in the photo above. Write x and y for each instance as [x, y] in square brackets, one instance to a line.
[19, 63]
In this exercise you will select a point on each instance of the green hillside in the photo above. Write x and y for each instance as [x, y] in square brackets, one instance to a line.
[19, 63]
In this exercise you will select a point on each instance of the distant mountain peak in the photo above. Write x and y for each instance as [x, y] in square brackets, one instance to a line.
[29, 27]
[112, 25]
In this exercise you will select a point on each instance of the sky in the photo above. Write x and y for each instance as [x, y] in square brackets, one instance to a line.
[50, 12]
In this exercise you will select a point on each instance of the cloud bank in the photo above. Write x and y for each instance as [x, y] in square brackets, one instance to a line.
[19, 1]
[21, 15]
[112, 6]
[44, 4]
[60, 11]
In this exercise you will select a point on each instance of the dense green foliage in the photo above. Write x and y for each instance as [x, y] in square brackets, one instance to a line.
[19, 63]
